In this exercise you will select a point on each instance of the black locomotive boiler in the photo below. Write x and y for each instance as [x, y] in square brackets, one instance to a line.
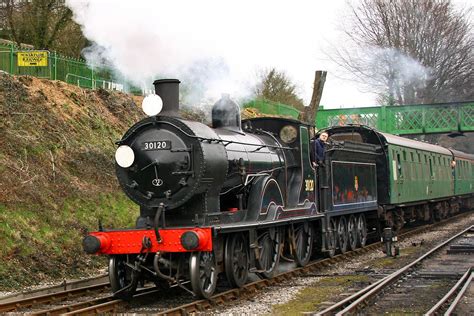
[234, 198]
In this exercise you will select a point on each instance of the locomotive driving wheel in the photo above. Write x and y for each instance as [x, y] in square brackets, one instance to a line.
[236, 260]
[304, 236]
[342, 235]
[269, 254]
[352, 232]
[362, 230]
[123, 279]
[203, 273]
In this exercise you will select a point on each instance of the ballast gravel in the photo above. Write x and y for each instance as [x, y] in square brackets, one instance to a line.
[264, 301]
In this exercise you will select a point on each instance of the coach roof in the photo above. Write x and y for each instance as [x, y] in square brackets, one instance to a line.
[405, 142]
[463, 155]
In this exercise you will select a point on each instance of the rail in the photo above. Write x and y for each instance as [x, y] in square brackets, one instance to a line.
[108, 304]
[353, 303]
[251, 288]
[463, 282]
[52, 297]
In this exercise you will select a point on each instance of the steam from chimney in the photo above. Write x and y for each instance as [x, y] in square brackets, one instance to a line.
[212, 46]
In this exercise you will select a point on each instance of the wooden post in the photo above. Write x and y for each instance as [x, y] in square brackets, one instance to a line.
[310, 112]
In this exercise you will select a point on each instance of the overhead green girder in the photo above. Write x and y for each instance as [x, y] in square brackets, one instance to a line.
[404, 120]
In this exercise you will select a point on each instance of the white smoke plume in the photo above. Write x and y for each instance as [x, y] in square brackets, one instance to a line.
[388, 71]
[403, 68]
[213, 46]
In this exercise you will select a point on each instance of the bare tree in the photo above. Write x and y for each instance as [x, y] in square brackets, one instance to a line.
[310, 112]
[45, 24]
[410, 51]
[277, 86]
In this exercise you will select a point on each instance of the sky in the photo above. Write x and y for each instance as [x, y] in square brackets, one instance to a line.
[220, 47]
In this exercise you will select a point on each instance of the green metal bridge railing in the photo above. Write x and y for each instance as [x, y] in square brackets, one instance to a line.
[70, 70]
[404, 120]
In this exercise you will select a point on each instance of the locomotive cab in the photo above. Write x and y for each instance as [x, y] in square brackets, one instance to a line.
[299, 178]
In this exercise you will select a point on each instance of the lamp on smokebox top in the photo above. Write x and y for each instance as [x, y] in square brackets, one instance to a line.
[152, 105]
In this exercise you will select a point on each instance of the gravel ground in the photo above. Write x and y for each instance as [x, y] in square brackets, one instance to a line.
[263, 303]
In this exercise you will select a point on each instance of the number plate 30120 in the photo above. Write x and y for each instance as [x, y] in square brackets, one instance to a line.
[157, 145]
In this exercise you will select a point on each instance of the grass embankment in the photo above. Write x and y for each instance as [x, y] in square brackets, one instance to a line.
[57, 176]
[44, 245]
[311, 296]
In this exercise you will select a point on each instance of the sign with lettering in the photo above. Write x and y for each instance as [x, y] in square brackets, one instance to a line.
[33, 58]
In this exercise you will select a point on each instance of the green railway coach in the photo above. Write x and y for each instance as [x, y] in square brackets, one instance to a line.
[415, 180]
[463, 173]
[417, 171]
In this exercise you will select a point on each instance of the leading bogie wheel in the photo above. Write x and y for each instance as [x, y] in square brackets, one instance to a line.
[304, 236]
[269, 242]
[203, 273]
[123, 280]
[236, 259]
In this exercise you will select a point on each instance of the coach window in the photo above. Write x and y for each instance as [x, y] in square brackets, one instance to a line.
[431, 168]
[456, 168]
[399, 165]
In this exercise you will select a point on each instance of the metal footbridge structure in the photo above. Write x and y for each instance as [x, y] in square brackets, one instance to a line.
[404, 120]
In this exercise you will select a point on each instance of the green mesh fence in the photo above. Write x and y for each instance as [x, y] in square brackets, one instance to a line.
[274, 108]
[70, 70]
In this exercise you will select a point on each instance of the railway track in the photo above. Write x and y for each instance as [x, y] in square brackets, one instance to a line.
[65, 302]
[404, 279]
[84, 301]
[50, 298]
[251, 289]
[460, 288]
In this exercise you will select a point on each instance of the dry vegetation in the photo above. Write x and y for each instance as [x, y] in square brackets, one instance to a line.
[57, 175]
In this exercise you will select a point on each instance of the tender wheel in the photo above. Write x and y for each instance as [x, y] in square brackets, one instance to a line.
[269, 252]
[203, 273]
[123, 279]
[352, 232]
[236, 260]
[342, 236]
[362, 230]
[331, 238]
[304, 236]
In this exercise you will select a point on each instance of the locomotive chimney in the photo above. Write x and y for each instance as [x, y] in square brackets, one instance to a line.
[226, 114]
[168, 90]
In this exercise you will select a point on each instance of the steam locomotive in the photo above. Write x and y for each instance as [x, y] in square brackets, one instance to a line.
[234, 198]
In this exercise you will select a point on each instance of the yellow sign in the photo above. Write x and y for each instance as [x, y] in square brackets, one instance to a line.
[33, 58]
[309, 185]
